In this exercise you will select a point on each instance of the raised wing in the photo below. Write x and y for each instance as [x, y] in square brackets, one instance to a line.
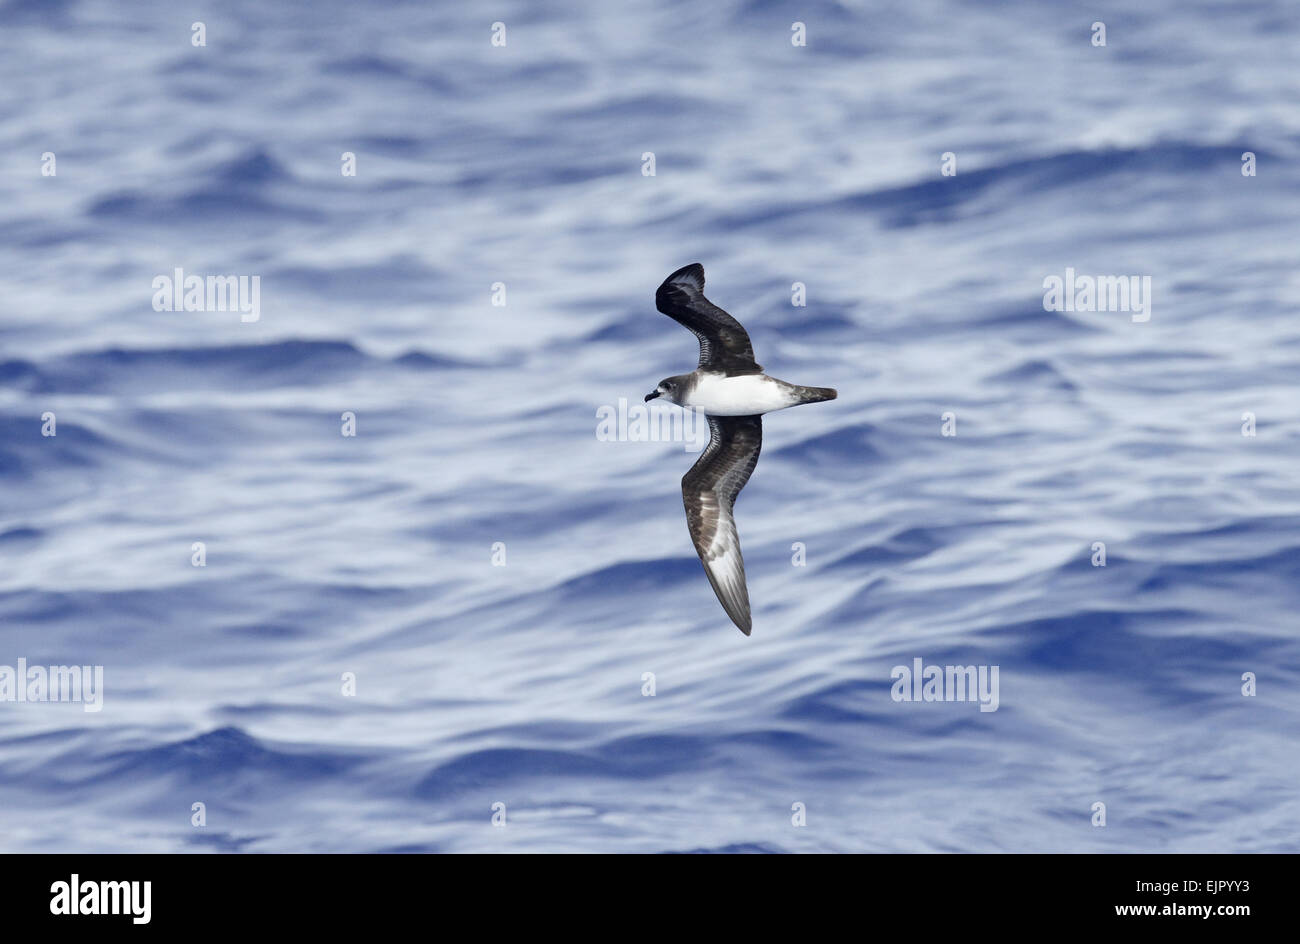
[724, 345]
[709, 493]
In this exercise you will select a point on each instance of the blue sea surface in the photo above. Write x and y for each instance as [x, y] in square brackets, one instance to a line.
[502, 584]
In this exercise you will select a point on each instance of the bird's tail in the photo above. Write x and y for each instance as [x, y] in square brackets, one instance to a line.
[816, 394]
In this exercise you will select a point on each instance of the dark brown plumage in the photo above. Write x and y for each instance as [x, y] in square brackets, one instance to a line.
[709, 493]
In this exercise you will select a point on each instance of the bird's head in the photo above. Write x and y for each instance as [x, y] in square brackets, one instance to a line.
[671, 389]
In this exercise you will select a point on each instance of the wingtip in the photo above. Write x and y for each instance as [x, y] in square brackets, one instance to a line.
[693, 272]
[739, 613]
[733, 597]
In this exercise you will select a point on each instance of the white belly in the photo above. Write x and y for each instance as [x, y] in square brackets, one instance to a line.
[738, 396]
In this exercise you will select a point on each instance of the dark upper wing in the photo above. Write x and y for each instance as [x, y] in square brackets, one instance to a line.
[724, 345]
[709, 492]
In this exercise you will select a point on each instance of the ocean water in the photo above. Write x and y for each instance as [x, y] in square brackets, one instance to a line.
[495, 579]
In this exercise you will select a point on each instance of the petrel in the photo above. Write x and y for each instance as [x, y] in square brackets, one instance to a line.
[732, 390]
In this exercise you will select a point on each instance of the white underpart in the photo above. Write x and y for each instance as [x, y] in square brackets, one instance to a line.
[720, 395]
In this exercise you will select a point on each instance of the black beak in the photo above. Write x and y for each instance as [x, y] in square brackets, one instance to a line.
[651, 395]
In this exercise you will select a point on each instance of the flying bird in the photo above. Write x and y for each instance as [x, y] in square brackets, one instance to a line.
[730, 388]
